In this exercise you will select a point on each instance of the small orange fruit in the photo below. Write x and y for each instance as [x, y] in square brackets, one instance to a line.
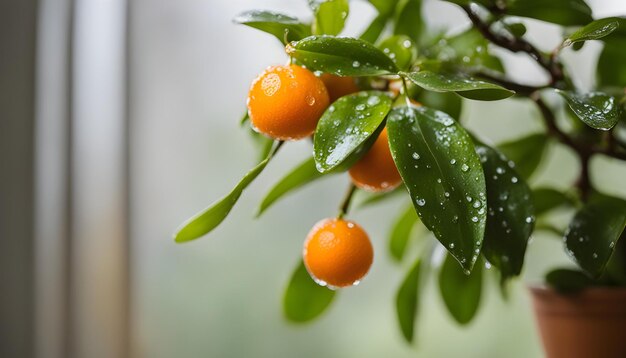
[376, 170]
[338, 86]
[286, 102]
[337, 253]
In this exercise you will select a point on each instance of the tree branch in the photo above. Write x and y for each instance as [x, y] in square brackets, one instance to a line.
[514, 44]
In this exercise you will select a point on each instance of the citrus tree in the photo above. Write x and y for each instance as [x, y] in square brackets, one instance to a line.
[384, 107]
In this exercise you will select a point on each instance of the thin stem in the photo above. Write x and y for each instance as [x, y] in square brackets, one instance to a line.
[514, 44]
[345, 203]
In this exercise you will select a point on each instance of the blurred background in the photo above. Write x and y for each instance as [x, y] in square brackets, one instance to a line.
[119, 119]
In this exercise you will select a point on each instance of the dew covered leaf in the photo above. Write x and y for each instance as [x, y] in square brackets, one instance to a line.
[526, 153]
[401, 232]
[330, 16]
[592, 31]
[275, 24]
[441, 170]
[342, 56]
[464, 86]
[300, 176]
[510, 218]
[460, 292]
[593, 233]
[304, 300]
[598, 110]
[208, 219]
[561, 12]
[347, 125]
[401, 49]
[546, 199]
[407, 300]
[568, 280]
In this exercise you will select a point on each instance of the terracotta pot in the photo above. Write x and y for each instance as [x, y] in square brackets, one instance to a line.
[588, 324]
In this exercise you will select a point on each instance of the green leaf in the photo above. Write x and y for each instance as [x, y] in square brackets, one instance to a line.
[546, 199]
[365, 198]
[401, 50]
[300, 176]
[460, 292]
[275, 24]
[384, 7]
[342, 56]
[401, 232]
[516, 29]
[438, 164]
[305, 300]
[611, 71]
[593, 233]
[594, 30]
[375, 28]
[598, 110]
[526, 153]
[208, 219]
[468, 50]
[330, 16]
[561, 12]
[568, 280]
[346, 126]
[409, 21]
[444, 101]
[407, 301]
[464, 86]
[510, 218]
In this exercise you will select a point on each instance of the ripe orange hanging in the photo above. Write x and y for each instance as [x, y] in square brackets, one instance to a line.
[338, 86]
[376, 170]
[337, 253]
[286, 102]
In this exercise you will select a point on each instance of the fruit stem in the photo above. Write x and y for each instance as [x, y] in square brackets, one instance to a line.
[345, 204]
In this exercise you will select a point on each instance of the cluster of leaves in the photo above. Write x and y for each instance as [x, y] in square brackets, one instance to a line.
[473, 197]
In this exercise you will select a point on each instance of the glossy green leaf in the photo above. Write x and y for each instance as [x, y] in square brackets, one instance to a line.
[330, 16]
[346, 126]
[409, 20]
[304, 300]
[464, 86]
[460, 292]
[208, 219]
[592, 31]
[444, 101]
[561, 12]
[438, 164]
[284, 27]
[568, 280]
[407, 301]
[401, 49]
[526, 153]
[546, 199]
[401, 232]
[300, 176]
[375, 28]
[598, 110]
[510, 218]
[594, 231]
[342, 56]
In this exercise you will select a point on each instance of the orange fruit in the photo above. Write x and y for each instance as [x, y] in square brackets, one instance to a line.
[376, 170]
[286, 102]
[338, 86]
[337, 253]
